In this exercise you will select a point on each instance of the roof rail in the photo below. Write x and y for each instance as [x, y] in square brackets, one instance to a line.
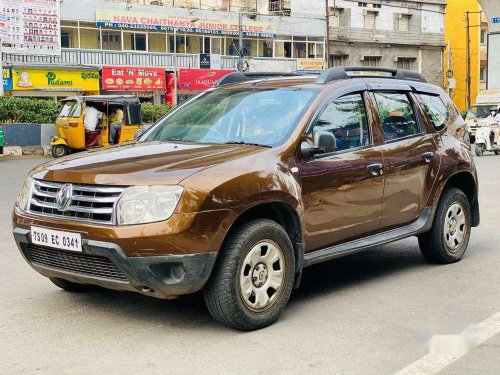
[342, 73]
[238, 77]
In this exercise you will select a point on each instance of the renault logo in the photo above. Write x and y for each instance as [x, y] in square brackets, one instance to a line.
[63, 197]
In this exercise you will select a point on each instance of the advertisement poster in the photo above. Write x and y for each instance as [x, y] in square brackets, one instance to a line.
[122, 78]
[310, 64]
[200, 79]
[67, 80]
[7, 78]
[168, 22]
[33, 27]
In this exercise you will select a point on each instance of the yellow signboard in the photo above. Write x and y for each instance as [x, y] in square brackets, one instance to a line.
[310, 64]
[56, 80]
[170, 22]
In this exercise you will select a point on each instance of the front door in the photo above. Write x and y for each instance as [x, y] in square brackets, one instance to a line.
[410, 159]
[342, 190]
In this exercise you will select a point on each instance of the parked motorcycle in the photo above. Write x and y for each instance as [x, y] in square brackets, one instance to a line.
[485, 138]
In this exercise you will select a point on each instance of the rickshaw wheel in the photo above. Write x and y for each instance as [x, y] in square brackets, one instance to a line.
[58, 151]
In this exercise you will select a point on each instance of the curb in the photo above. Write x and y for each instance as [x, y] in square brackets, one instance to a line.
[26, 150]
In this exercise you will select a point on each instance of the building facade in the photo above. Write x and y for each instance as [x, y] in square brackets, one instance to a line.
[467, 51]
[122, 41]
[392, 34]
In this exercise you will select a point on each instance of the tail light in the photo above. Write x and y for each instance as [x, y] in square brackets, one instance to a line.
[73, 124]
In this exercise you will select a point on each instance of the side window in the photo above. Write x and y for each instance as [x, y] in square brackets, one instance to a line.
[346, 119]
[436, 110]
[396, 115]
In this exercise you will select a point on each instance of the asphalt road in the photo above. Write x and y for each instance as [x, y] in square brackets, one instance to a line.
[370, 313]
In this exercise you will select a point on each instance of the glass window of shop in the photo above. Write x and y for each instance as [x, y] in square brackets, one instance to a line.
[69, 37]
[111, 40]
[283, 47]
[264, 48]
[134, 41]
[89, 37]
[194, 44]
[157, 42]
[215, 45]
[180, 43]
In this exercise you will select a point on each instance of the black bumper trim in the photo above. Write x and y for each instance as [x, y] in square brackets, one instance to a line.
[166, 276]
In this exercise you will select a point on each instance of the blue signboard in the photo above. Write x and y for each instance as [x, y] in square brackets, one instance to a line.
[495, 20]
[7, 78]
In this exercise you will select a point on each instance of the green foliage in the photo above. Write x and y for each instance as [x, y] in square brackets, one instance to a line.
[152, 113]
[28, 110]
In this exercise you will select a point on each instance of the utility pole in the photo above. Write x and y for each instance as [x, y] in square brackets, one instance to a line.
[327, 20]
[468, 79]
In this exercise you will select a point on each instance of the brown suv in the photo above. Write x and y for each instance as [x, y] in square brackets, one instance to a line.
[238, 190]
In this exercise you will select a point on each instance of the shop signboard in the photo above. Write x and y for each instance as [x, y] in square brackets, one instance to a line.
[204, 61]
[55, 80]
[310, 64]
[128, 78]
[131, 19]
[33, 27]
[200, 79]
[7, 78]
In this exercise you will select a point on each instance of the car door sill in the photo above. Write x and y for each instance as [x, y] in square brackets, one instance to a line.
[421, 225]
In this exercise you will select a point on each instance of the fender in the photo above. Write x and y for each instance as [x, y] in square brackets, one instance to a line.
[58, 141]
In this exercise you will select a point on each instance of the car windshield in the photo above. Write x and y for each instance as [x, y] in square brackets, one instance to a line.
[71, 108]
[479, 111]
[260, 116]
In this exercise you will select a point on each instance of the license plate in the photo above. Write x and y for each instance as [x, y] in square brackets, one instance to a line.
[56, 239]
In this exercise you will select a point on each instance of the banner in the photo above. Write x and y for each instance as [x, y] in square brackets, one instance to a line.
[123, 78]
[7, 79]
[131, 19]
[33, 27]
[60, 80]
[200, 79]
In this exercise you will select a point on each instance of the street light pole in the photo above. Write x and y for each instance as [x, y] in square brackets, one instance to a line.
[240, 40]
[175, 69]
[327, 47]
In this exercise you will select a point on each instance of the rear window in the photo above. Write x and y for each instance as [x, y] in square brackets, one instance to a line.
[436, 110]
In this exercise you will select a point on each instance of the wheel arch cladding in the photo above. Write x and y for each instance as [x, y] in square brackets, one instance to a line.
[283, 214]
[466, 182]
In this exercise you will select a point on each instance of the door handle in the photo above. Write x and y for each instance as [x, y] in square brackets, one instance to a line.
[376, 169]
[427, 156]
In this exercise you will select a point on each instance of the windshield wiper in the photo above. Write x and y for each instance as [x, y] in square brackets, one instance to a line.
[247, 143]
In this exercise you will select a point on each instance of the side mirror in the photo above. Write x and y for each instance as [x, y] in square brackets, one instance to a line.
[324, 141]
[139, 133]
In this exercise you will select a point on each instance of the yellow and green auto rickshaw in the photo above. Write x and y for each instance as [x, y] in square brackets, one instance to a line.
[96, 121]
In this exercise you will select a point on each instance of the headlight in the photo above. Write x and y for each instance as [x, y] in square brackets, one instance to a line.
[24, 196]
[147, 204]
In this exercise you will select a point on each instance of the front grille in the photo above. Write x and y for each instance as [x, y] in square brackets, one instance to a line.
[88, 202]
[84, 264]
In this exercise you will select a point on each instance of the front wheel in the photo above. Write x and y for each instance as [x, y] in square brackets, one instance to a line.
[253, 277]
[448, 238]
[480, 148]
[58, 151]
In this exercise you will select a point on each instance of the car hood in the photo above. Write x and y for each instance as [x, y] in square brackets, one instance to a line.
[141, 163]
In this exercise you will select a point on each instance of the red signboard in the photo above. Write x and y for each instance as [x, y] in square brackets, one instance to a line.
[200, 79]
[124, 78]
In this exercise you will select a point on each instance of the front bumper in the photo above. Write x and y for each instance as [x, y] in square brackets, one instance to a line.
[105, 264]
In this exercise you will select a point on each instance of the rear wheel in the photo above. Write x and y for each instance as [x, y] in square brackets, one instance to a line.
[58, 151]
[480, 148]
[448, 238]
[253, 277]
[73, 287]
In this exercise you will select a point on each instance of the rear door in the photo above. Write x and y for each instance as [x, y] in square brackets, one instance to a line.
[410, 157]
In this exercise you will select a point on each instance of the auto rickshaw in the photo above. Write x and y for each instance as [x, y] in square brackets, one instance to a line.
[72, 135]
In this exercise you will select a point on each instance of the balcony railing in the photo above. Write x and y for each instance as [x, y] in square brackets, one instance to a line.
[102, 58]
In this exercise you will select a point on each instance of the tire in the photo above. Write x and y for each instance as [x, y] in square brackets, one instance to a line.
[472, 139]
[73, 287]
[58, 151]
[448, 238]
[497, 152]
[479, 148]
[249, 263]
